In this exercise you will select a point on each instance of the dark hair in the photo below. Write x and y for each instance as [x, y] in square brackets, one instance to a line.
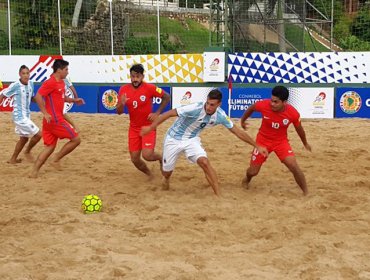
[281, 92]
[215, 94]
[138, 68]
[59, 64]
[23, 67]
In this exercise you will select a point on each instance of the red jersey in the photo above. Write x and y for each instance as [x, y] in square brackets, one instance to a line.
[275, 125]
[53, 92]
[140, 102]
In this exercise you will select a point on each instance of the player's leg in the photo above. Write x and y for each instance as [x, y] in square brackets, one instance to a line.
[196, 154]
[147, 147]
[210, 173]
[299, 177]
[172, 149]
[65, 130]
[18, 148]
[69, 119]
[135, 147]
[32, 143]
[43, 156]
[286, 155]
[254, 168]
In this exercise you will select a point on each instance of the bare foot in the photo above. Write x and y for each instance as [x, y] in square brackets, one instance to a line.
[165, 184]
[245, 183]
[12, 161]
[29, 157]
[56, 165]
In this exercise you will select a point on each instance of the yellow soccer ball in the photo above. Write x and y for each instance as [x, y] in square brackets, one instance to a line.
[91, 203]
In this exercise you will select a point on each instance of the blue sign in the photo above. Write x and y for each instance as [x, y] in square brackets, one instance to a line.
[88, 93]
[242, 98]
[108, 98]
[352, 103]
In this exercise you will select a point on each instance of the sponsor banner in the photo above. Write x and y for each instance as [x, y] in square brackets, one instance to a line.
[242, 98]
[214, 67]
[313, 102]
[108, 99]
[300, 67]
[352, 103]
[7, 103]
[169, 68]
[88, 93]
[186, 95]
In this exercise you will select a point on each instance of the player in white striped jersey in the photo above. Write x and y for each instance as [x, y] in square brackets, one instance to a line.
[22, 93]
[183, 136]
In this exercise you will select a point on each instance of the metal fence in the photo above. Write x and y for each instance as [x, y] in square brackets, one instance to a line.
[105, 27]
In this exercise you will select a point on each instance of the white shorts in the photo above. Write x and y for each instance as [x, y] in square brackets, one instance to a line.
[172, 149]
[26, 128]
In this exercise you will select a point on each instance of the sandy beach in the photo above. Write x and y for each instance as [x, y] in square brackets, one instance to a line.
[270, 231]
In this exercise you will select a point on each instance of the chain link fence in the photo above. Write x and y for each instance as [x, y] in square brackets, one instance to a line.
[103, 27]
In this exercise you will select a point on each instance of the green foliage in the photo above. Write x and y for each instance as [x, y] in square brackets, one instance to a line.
[352, 43]
[361, 24]
[4, 44]
[145, 45]
[342, 29]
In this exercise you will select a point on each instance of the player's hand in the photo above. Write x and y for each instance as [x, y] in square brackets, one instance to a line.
[79, 101]
[145, 130]
[47, 117]
[263, 151]
[153, 116]
[308, 147]
[124, 99]
[244, 125]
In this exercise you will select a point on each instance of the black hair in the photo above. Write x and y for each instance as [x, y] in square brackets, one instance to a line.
[215, 94]
[281, 92]
[23, 67]
[59, 64]
[137, 68]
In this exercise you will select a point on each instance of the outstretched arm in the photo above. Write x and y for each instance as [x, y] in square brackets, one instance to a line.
[246, 138]
[165, 99]
[302, 134]
[146, 129]
[246, 115]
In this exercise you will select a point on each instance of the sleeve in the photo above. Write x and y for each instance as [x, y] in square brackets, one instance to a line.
[187, 110]
[10, 91]
[155, 91]
[121, 92]
[224, 119]
[45, 89]
[32, 87]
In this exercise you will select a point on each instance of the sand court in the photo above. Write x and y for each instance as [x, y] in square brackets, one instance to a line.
[267, 232]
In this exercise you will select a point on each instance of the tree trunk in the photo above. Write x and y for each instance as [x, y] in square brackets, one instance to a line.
[76, 13]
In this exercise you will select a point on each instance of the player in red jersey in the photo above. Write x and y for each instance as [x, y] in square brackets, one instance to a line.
[138, 98]
[277, 115]
[50, 98]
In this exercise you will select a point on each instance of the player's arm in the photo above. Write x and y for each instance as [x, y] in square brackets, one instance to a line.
[7, 92]
[41, 104]
[121, 104]
[169, 114]
[246, 115]
[165, 100]
[242, 135]
[78, 101]
[302, 134]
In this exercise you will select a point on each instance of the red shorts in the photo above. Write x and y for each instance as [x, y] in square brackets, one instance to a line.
[51, 132]
[281, 149]
[138, 143]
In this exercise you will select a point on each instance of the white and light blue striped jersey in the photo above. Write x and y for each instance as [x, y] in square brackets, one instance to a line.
[193, 119]
[68, 83]
[22, 95]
